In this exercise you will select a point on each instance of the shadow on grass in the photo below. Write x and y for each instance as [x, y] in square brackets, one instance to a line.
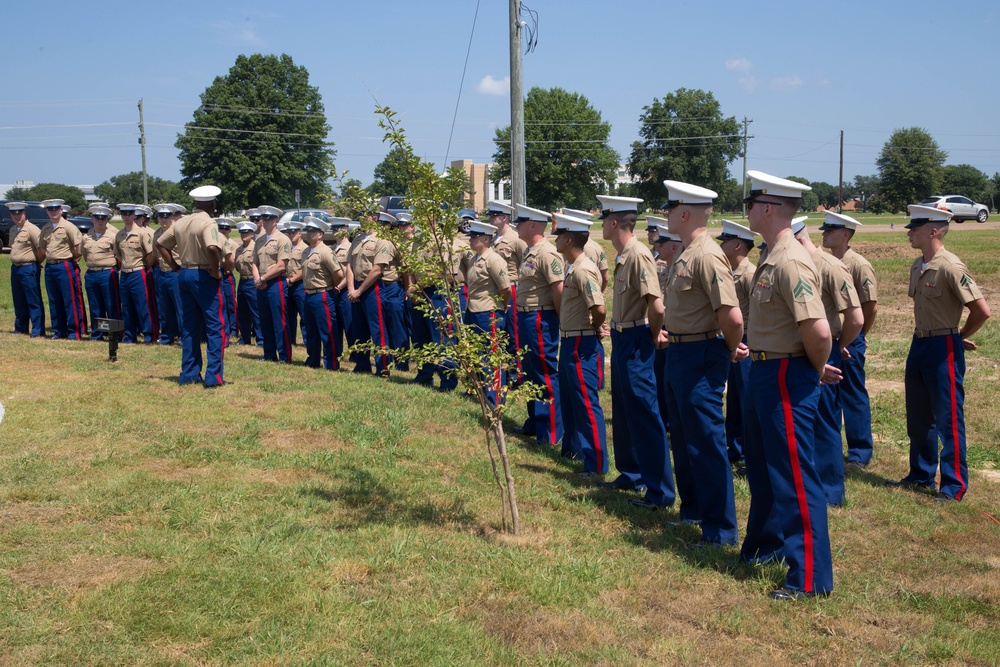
[365, 500]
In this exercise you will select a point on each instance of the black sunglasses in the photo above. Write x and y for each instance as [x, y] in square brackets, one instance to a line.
[99, 217]
[53, 208]
[269, 217]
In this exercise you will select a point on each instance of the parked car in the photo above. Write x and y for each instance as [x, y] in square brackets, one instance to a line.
[962, 208]
[36, 215]
[393, 205]
[82, 222]
[300, 214]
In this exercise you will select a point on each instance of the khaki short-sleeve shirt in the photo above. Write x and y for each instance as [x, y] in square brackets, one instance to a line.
[387, 256]
[542, 266]
[269, 250]
[24, 243]
[581, 292]
[295, 263]
[486, 277]
[132, 247]
[837, 287]
[595, 253]
[59, 241]
[340, 252]
[243, 261]
[192, 236]
[163, 266]
[361, 255]
[511, 249]
[743, 280]
[701, 282]
[319, 268]
[99, 251]
[863, 275]
[635, 278]
[940, 290]
[786, 291]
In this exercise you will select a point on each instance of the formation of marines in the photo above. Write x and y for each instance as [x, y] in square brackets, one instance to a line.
[692, 324]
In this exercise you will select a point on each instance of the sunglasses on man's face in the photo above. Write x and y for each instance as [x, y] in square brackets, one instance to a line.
[99, 217]
[53, 208]
[269, 217]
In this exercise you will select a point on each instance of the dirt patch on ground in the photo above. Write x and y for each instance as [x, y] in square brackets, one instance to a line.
[82, 572]
[33, 513]
[300, 441]
[876, 387]
[990, 475]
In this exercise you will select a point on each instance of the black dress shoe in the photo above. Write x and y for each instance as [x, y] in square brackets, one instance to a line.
[586, 474]
[522, 431]
[910, 484]
[857, 465]
[790, 594]
[643, 502]
[944, 498]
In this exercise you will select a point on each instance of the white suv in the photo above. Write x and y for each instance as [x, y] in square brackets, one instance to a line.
[962, 208]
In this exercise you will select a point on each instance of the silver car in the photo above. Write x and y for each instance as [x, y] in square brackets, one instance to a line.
[962, 208]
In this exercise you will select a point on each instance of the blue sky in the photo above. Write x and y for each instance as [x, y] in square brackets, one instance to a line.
[73, 73]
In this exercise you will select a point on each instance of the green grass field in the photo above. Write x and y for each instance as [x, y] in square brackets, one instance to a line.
[317, 518]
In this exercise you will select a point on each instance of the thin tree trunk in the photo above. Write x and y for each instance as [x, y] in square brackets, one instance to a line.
[498, 434]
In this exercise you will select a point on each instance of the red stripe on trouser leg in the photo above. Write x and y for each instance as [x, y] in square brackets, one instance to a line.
[284, 321]
[800, 489]
[73, 297]
[600, 365]
[953, 396]
[329, 329]
[548, 379]
[381, 330]
[586, 402]
[222, 326]
[517, 334]
[149, 306]
[493, 348]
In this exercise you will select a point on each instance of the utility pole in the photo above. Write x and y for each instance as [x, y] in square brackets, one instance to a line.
[746, 124]
[840, 183]
[517, 185]
[142, 143]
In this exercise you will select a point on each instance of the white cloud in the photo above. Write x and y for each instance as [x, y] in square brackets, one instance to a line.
[786, 82]
[241, 33]
[739, 65]
[490, 86]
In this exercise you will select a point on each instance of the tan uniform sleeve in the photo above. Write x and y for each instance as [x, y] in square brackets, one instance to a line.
[497, 269]
[331, 264]
[717, 278]
[961, 284]
[645, 280]
[210, 236]
[590, 289]
[167, 239]
[867, 286]
[551, 269]
[800, 290]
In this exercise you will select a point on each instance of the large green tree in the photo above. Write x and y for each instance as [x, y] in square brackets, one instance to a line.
[909, 169]
[70, 194]
[567, 158]
[259, 134]
[127, 188]
[390, 175]
[809, 199]
[966, 180]
[683, 137]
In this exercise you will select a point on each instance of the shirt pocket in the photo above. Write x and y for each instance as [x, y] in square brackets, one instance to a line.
[931, 290]
[761, 295]
[621, 285]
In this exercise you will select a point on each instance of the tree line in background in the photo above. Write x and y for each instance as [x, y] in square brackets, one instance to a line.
[261, 134]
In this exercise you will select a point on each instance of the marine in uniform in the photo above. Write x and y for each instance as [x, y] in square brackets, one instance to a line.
[539, 292]
[59, 242]
[581, 321]
[705, 333]
[271, 253]
[837, 231]
[247, 313]
[365, 283]
[295, 296]
[229, 247]
[168, 292]
[101, 279]
[640, 441]
[345, 311]
[143, 215]
[134, 248]
[843, 312]
[790, 342]
[512, 249]
[941, 287]
[665, 247]
[596, 254]
[393, 296]
[736, 241]
[489, 294]
[199, 245]
[321, 274]
[26, 257]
